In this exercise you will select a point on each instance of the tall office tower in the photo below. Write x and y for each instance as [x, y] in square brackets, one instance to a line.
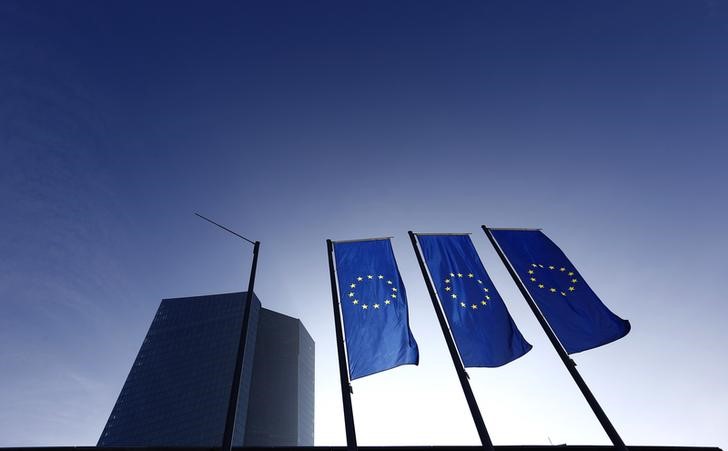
[178, 389]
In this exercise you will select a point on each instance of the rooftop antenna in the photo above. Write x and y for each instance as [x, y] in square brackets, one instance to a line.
[227, 438]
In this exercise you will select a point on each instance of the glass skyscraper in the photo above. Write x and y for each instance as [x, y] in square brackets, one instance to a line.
[178, 388]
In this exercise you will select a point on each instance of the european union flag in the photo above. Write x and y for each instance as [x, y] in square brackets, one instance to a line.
[480, 323]
[374, 308]
[577, 316]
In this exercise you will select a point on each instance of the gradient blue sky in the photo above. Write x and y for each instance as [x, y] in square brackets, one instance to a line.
[293, 122]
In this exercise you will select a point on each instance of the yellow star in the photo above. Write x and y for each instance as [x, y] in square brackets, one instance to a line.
[352, 285]
[552, 267]
[562, 269]
[540, 285]
[454, 295]
[369, 276]
[447, 280]
[351, 294]
[534, 265]
[487, 297]
[452, 275]
[473, 306]
[359, 279]
[533, 279]
[483, 302]
[356, 301]
[571, 273]
[540, 266]
[563, 294]
[389, 282]
[574, 280]
[387, 301]
[530, 271]
[462, 304]
[480, 281]
[394, 289]
[553, 290]
[381, 276]
[365, 306]
[460, 275]
[447, 288]
[471, 275]
[376, 305]
[571, 288]
[486, 290]
[394, 296]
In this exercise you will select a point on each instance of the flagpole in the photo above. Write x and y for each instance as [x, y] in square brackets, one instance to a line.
[568, 362]
[459, 368]
[346, 389]
[227, 438]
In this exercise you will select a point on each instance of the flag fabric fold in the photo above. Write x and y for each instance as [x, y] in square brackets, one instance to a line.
[576, 315]
[484, 331]
[374, 308]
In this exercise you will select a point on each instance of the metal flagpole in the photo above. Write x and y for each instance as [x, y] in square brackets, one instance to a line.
[568, 362]
[459, 368]
[346, 389]
[227, 440]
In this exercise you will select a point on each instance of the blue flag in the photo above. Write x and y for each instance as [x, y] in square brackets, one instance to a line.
[480, 323]
[578, 318]
[374, 308]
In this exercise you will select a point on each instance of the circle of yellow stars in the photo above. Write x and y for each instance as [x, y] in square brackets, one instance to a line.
[359, 281]
[450, 291]
[568, 274]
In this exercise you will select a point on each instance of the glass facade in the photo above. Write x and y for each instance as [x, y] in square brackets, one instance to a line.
[272, 387]
[177, 391]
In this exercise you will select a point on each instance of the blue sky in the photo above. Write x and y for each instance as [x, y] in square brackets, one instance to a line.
[293, 122]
